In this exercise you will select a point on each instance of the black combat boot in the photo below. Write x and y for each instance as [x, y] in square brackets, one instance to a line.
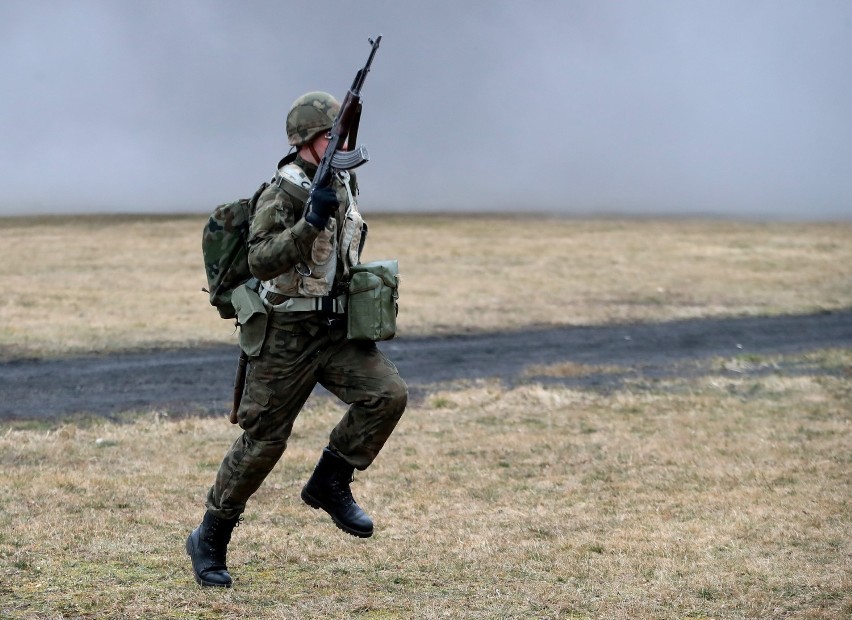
[207, 546]
[328, 489]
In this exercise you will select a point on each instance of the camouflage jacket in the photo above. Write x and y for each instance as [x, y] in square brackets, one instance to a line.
[279, 237]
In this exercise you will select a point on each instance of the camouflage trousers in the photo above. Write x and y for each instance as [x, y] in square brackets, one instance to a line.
[279, 381]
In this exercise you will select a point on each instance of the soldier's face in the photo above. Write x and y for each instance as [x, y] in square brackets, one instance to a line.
[322, 142]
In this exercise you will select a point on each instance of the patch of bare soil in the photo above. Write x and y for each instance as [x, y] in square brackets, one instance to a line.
[200, 380]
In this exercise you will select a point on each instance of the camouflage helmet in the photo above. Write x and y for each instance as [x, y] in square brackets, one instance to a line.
[309, 115]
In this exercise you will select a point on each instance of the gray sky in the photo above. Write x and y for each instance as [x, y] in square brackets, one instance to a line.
[716, 107]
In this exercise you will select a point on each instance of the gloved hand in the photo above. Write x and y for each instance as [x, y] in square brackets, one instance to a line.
[323, 204]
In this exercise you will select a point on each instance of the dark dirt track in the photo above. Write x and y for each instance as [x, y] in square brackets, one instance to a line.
[200, 380]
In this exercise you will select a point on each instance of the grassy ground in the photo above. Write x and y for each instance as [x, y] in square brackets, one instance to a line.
[717, 498]
[108, 283]
[724, 497]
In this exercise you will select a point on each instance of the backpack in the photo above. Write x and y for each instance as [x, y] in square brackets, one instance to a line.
[224, 245]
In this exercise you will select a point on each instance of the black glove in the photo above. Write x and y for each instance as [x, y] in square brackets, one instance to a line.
[323, 204]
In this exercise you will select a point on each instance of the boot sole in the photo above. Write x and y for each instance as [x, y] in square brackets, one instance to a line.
[313, 503]
[198, 579]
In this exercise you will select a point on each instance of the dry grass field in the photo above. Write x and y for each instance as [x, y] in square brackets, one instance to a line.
[720, 497]
[107, 283]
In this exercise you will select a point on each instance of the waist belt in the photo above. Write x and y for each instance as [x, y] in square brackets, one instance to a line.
[281, 303]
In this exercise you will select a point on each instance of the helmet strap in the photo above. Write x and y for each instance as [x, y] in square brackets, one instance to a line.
[314, 152]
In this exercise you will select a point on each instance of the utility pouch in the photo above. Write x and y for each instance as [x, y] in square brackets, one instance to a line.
[252, 319]
[372, 305]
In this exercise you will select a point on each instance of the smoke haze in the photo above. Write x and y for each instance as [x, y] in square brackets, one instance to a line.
[655, 107]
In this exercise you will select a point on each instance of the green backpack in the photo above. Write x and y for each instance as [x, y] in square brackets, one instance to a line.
[225, 249]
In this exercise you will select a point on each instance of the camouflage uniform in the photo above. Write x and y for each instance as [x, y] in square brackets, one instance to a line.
[295, 336]
[300, 350]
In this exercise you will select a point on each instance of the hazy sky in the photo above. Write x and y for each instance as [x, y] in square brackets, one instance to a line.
[723, 107]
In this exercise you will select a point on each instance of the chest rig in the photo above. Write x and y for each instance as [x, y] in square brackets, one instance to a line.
[335, 250]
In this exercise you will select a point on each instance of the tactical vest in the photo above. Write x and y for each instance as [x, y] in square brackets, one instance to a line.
[315, 275]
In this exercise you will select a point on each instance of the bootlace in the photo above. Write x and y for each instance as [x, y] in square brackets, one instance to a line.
[340, 487]
[216, 533]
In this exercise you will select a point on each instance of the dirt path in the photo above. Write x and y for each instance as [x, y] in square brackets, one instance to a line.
[201, 379]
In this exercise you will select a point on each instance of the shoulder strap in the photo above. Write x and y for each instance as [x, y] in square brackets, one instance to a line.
[292, 179]
[253, 199]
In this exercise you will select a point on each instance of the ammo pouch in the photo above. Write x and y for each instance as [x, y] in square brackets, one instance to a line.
[372, 304]
[251, 317]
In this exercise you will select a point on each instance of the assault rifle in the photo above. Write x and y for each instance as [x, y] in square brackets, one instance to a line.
[344, 132]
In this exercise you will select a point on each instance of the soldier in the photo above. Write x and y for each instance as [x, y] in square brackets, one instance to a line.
[302, 263]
